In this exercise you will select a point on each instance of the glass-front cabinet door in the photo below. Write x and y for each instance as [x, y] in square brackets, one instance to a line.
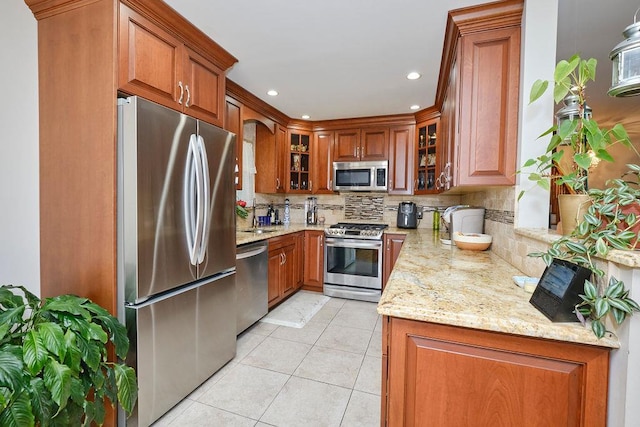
[299, 162]
[427, 157]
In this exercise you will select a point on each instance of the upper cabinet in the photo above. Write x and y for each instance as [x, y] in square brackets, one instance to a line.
[233, 123]
[401, 159]
[346, 145]
[427, 177]
[271, 148]
[374, 143]
[300, 162]
[478, 95]
[352, 145]
[156, 64]
[322, 166]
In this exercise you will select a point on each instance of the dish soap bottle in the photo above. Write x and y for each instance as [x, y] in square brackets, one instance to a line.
[287, 213]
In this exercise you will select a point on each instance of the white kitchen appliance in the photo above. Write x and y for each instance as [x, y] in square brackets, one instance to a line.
[462, 218]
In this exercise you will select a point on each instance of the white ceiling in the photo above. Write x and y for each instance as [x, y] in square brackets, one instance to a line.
[349, 58]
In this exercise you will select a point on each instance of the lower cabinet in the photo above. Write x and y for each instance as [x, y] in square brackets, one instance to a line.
[313, 260]
[391, 249]
[285, 267]
[450, 376]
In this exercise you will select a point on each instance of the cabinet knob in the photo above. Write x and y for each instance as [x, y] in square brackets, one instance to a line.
[181, 92]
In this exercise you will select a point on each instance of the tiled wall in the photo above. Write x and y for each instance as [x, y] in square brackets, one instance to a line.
[354, 207]
[378, 207]
[499, 219]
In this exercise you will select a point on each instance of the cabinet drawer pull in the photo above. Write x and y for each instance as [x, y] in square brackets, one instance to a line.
[181, 92]
[186, 104]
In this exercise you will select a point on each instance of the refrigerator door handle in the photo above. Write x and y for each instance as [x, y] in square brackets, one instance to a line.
[193, 200]
[204, 230]
[153, 300]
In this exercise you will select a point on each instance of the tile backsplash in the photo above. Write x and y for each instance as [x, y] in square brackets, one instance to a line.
[365, 207]
[356, 207]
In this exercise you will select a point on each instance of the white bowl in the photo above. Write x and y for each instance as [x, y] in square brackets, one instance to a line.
[472, 241]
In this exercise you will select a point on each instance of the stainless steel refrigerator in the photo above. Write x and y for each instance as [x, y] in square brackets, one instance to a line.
[177, 251]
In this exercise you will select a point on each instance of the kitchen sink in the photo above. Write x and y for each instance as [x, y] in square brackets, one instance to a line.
[258, 231]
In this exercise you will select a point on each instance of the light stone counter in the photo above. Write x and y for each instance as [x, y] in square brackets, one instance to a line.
[438, 283]
[627, 258]
[243, 237]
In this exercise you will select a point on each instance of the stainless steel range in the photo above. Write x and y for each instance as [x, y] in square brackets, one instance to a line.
[353, 261]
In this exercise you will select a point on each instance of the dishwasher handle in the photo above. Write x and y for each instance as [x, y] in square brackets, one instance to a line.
[248, 254]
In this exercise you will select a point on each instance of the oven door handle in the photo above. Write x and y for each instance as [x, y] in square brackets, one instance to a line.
[351, 243]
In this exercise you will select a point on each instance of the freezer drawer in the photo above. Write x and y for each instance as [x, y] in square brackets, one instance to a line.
[179, 342]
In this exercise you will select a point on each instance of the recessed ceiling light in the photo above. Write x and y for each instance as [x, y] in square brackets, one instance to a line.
[272, 92]
[306, 116]
[413, 75]
[415, 107]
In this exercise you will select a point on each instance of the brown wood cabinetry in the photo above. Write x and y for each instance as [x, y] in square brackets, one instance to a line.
[427, 164]
[271, 148]
[346, 144]
[87, 51]
[481, 74]
[352, 145]
[313, 260]
[490, 76]
[401, 159]
[451, 376]
[159, 66]
[374, 144]
[285, 267]
[299, 161]
[448, 131]
[233, 123]
[80, 66]
[322, 163]
[392, 245]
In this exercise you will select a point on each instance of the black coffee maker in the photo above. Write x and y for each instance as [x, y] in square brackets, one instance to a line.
[407, 215]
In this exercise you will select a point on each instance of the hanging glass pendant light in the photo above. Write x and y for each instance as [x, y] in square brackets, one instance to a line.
[625, 79]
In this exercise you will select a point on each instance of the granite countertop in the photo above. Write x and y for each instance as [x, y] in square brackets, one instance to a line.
[627, 258]
[438, 283]
[243, 236]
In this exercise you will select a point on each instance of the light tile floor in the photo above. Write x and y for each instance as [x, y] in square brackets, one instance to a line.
[325, 374]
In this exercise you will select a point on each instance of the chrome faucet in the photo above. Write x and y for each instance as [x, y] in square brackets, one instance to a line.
[254, 222]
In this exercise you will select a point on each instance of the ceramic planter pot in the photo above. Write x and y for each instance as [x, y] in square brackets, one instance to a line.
[572, 209]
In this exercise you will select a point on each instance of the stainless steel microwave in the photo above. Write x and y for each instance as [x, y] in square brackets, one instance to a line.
[360, 176]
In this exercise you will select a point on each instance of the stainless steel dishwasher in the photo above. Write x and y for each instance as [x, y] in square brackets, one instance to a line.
[251, 283]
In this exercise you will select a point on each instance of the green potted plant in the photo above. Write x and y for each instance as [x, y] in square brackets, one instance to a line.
[612, 221]
[54, 366]
[575, 141]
